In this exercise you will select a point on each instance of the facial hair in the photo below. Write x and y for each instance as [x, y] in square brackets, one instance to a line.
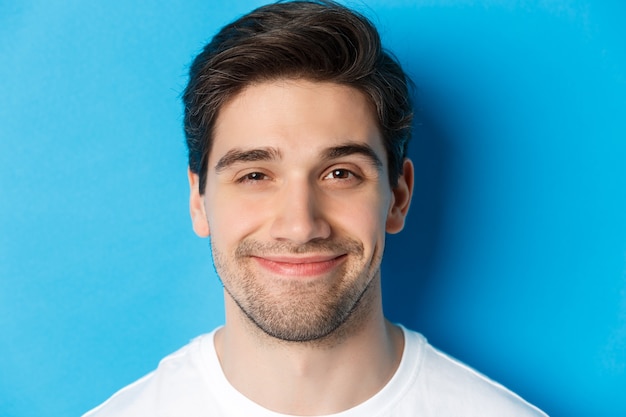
[296, 310]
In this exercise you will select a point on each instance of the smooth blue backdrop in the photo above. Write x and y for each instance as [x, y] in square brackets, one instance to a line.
[514, 257]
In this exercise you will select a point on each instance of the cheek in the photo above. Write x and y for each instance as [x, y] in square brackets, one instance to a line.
[363, 217]
[232, 219]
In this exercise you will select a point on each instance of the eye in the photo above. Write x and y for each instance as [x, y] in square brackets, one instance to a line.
[341, 174]
[253, 177]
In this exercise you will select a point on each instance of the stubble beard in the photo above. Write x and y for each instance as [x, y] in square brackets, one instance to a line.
[299, 311]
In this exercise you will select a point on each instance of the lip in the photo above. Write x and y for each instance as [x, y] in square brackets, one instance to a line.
[300, 266]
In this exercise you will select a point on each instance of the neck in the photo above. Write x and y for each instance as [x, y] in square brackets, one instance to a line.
[311, 378]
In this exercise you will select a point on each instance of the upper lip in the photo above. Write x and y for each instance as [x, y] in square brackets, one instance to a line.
[300, 259]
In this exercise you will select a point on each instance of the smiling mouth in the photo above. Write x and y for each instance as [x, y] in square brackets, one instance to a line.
[300, 266]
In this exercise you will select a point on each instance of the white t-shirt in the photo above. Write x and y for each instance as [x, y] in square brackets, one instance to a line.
[190, 383]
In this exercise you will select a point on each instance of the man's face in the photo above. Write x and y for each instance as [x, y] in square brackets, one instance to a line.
[297, 204]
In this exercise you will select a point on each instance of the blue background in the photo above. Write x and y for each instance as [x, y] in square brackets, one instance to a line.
[513, 259]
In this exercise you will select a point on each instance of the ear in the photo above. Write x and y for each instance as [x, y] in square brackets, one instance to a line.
[400, 199]
[196, 206]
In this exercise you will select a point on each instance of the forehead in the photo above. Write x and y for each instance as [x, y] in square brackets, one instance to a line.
[296, 114]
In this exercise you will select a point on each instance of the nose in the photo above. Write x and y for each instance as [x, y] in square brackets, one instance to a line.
[299, 215]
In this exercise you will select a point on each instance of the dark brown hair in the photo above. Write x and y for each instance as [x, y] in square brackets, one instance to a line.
[316, 40]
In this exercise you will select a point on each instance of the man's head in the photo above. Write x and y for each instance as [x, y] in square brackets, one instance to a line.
[318, 41]
[297, 125]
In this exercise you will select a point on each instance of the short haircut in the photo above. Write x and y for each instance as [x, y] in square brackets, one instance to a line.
[314, 40]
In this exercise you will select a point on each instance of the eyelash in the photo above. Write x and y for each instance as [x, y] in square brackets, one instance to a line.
[343, 171]
[252, 177]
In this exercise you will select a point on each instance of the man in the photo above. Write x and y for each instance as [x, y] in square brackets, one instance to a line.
[297, 125]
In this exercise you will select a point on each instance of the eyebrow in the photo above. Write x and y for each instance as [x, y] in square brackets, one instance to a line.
[236, 155]
[352, 149]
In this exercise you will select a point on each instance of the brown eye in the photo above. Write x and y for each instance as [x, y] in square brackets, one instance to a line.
[255, 176]
[252, 177]
[340, 174]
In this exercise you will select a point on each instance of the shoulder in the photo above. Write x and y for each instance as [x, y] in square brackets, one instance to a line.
[178, 380]
[453, 388]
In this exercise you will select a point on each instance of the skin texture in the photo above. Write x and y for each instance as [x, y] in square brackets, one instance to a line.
[297, 205]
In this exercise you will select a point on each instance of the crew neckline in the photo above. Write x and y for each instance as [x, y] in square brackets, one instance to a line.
[235, 403]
